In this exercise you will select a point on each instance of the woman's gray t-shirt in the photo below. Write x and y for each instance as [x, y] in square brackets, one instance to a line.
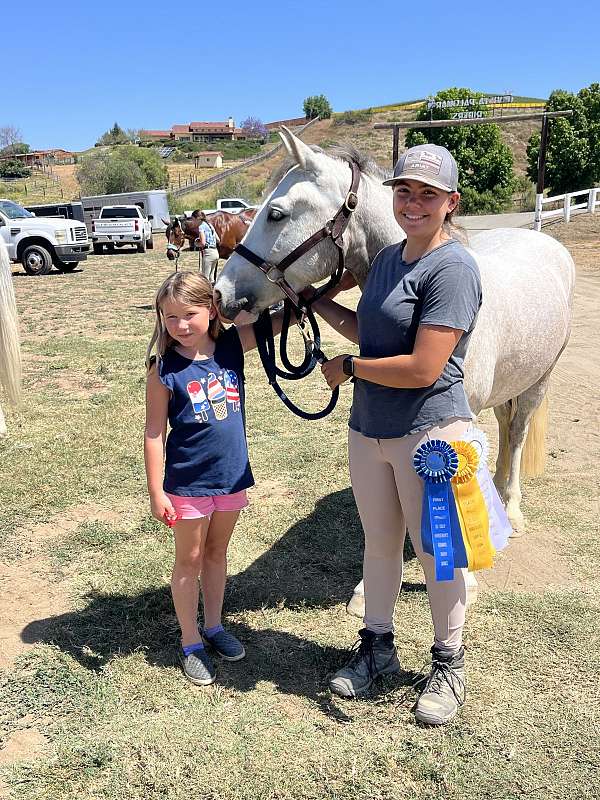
[443, 287]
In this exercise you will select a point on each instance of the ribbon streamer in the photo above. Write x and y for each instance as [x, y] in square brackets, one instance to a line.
[472, 511]
[435, 461]
[500, 527]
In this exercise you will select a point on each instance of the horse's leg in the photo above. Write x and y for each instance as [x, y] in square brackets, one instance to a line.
[527, 404]
[503, 415]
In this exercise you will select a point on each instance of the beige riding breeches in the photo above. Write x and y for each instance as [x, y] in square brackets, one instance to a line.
[389, 494]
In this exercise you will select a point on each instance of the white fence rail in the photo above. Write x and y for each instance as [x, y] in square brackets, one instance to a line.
[589, 204]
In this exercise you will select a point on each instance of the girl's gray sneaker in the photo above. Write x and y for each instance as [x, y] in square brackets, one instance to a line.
[225, 645]
[198, 667]
[444, 689]
[372, 655]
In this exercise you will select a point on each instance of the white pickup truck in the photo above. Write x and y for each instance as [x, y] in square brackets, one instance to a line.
[121, 225]
[40, 242]
[231, 204]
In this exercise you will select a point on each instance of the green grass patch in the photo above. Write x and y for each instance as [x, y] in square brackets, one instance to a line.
[100, 680]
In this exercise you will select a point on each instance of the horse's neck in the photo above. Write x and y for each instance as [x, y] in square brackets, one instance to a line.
[372, 228]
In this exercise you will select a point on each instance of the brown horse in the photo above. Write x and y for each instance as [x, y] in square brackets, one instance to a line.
[230, 228]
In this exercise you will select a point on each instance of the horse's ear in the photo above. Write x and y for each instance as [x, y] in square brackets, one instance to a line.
[164, 222]
[300, 152]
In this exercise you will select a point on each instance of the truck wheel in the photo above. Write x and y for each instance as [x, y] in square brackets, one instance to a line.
[98, 248]
[66, 266]
[36, 260]
[141, 247]
[150, 243]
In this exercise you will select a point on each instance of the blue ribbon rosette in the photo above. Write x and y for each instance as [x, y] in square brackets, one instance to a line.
[436, 462]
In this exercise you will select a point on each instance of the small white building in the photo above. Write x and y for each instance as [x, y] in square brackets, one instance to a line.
[208, 158]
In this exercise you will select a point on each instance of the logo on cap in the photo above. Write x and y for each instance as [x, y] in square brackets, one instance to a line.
[423, 160]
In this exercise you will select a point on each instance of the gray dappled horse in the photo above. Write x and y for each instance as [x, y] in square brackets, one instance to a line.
[10, 357]
[527, 278]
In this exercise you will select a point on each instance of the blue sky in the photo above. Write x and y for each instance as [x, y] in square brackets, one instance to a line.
[71, 69]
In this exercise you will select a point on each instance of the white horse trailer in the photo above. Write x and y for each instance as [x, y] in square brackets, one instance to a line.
[154, 204]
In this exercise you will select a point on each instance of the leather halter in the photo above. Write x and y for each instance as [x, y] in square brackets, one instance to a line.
[333, 229]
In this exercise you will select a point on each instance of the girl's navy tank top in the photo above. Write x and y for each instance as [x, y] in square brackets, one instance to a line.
[206, 452]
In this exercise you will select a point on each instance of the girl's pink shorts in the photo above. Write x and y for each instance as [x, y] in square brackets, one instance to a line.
[195, 507]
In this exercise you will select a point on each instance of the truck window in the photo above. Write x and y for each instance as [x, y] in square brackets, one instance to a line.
[14, 210]
[230, 204]
[123, 213]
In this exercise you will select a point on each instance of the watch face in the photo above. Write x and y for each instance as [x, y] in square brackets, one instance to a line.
[347, 366]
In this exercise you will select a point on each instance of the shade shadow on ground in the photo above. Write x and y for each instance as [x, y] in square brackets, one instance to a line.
[315, 564]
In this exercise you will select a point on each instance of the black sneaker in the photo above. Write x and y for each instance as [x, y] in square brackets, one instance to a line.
[198, 667]
[225, 645]
[444, 690]
[373, 655]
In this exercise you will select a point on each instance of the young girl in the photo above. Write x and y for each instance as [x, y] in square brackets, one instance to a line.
[413, 325]
[197, 383]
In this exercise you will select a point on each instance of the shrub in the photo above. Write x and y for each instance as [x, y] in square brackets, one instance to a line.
[13, 168]
[353, 117]
[490, 201]
[124, 169]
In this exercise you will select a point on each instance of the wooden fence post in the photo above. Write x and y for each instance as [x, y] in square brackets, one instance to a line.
[537, 217]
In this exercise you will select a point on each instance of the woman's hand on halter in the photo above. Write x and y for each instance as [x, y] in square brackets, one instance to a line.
[333, 371]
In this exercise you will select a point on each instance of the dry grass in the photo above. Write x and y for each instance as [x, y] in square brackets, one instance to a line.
[94, 708]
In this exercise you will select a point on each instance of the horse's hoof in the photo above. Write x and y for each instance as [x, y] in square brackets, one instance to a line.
[356, 605]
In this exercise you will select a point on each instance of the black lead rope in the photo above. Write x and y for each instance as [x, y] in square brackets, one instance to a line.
[265, 342]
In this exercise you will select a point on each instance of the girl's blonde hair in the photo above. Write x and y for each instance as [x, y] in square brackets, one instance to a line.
[189, 288]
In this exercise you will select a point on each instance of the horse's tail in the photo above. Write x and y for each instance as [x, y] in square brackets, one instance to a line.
[10, 354]
[533, 457]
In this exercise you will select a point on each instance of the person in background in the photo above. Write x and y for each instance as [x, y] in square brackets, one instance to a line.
[207, 242]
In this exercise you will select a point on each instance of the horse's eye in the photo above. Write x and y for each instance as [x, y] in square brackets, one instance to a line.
[276, 215]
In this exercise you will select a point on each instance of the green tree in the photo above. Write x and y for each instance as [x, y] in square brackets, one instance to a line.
[124, 169]
[573, 147]
[15, 149]
[116, 135]
[317, 106]
[485, 162]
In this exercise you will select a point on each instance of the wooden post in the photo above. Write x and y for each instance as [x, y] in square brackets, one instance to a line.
[542, 156]
[395, 146]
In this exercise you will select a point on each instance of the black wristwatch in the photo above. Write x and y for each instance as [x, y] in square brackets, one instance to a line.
[348, 366]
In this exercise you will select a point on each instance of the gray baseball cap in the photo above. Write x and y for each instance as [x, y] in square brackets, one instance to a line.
[428, 163]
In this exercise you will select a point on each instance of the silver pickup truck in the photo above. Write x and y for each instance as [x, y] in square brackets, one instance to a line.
[122, 225]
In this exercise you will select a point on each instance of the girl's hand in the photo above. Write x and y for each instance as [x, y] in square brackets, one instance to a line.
[162, 508]
[333, 372]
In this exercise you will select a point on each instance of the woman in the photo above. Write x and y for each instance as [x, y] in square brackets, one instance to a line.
[207, 242]
[413, 324]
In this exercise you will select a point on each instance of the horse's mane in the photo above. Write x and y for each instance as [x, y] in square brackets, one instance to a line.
[343, 152]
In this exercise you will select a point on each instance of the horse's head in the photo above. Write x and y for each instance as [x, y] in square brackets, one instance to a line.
[311, 191]
[175, 238]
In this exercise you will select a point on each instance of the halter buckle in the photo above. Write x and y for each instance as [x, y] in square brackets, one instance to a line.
[273, 273]
[351, 201]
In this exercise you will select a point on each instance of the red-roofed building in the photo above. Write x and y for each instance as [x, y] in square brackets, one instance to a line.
[38, 158]
[152, 135]
[181, 133]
